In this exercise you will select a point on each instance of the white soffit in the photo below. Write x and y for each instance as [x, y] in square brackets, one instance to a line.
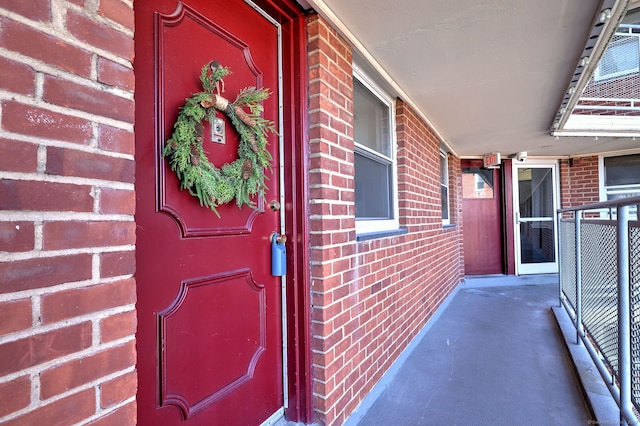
[371, 63]
[488, 75]
[603, 27]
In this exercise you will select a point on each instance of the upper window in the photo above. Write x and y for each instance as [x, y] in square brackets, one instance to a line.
[621, 57]
[375, 158]
[444, 187]
[621, 177]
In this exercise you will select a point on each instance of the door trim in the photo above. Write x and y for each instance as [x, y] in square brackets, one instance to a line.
[507, 217]
[535, 268]
[281, 199]
[294, 170]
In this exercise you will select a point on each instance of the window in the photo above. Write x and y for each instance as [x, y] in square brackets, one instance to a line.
[375, 158]
[444, 187]
[620, 177]
[477, 182]
[622, 56]
[620, 59]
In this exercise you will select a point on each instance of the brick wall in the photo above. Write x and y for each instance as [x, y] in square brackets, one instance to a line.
[370, 298]
[67, 233]
[579, 181]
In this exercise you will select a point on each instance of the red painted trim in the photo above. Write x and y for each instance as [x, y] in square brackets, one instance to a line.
[298, 309]
[509, 231]
[300, 376]
[471, 163]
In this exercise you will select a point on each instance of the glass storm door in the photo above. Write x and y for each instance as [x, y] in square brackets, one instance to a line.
[535, 219]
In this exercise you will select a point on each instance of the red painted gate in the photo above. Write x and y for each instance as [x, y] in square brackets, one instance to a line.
[209, 310]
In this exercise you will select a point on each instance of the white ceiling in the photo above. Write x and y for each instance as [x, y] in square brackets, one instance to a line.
[488, 74]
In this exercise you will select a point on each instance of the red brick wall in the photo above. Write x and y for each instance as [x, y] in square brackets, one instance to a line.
[67, 232]
[370, 298]
[627, 87]
[579, 181]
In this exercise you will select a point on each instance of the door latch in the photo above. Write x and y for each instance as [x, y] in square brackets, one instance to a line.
[274, 205]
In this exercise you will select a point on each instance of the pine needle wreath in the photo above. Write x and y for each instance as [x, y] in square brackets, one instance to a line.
[242, 179]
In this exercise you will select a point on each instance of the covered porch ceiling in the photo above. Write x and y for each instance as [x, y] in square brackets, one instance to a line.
[489, 75]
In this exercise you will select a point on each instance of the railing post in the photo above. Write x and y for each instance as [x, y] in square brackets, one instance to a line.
[624, 313]
[578, 220]
[560, 263]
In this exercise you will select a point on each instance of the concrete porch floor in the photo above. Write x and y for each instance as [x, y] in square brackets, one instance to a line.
[493, 355]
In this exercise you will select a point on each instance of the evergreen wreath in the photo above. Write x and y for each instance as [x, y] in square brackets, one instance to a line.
[242, 179]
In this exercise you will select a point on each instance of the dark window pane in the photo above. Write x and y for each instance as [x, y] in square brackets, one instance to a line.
[373, 183]
[444, 196]
[443, 170]
[537, 244]
[535, 187]
[623, 170]
[444, 186]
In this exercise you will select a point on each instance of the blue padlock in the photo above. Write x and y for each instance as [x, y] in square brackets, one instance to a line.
[278, 255]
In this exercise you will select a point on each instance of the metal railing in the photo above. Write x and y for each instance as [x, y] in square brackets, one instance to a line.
[600, 289]
[607, 104]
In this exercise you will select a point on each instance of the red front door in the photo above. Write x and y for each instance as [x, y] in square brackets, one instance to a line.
[482, 219]
[209, 335]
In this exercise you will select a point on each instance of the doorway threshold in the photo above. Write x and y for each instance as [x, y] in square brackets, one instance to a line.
[497, 280]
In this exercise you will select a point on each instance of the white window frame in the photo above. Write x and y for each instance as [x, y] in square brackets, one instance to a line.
[444, 155]
[365, 226]
[604, 192]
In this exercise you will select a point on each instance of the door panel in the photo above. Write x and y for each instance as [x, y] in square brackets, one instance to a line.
[237, 303]
[209, 311]
[179, 38]
[482, 219]
[535, 195]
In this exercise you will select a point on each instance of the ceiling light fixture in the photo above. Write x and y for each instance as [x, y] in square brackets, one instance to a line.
[572, 90]
[584, 61]
[605, 15]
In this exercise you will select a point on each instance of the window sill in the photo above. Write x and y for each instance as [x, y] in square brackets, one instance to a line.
[381, 234]
[449, 226]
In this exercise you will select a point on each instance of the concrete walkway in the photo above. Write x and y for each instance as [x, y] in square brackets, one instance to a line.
[494, 356]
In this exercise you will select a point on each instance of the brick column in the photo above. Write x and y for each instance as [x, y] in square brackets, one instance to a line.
[67, 233]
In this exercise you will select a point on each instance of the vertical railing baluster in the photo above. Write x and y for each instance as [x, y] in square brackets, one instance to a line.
[578, 220]
[560, 262]
[624, 313]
